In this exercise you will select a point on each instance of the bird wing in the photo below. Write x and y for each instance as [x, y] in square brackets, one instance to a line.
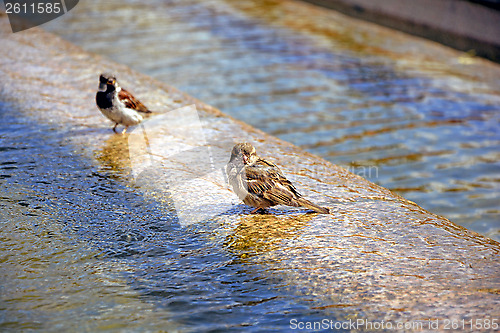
[131, 102]
[266, 180]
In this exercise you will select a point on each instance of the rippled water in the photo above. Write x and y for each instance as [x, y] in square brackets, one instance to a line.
[409, 115]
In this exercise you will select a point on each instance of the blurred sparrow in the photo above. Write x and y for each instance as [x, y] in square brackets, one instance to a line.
[260, 183]
[117, 104]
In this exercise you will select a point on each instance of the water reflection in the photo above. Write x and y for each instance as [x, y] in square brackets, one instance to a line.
[260, 233]
[114, 155]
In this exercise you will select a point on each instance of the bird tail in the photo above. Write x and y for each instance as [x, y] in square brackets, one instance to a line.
[308, 204]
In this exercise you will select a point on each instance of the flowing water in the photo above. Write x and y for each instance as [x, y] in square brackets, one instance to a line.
[404, 113]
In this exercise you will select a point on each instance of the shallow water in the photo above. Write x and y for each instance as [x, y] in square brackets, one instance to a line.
[407, 114]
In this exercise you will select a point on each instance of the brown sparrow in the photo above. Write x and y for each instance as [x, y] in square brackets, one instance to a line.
[260, 183]
[117, 104]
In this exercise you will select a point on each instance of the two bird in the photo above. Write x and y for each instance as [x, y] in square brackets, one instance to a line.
[257, 182]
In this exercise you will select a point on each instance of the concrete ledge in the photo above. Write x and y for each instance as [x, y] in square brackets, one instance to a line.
[460, 24]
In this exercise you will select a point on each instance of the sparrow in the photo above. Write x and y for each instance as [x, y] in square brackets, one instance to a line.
[260, 183]
[117, 104]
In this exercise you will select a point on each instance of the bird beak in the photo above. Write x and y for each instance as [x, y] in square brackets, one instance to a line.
[245, 159]
[102, 86]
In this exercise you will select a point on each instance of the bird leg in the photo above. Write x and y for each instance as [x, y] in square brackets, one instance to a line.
[258, 209]
[124, 130]
[114, 128]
